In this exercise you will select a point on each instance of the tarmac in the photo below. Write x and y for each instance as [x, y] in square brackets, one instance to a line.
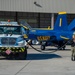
[55, 63]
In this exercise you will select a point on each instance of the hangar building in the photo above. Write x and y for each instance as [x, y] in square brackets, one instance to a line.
[38, 13]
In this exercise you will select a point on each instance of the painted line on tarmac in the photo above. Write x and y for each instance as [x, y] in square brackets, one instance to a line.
[22, 68]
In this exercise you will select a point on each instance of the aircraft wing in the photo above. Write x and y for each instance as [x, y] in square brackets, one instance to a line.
[72, 25]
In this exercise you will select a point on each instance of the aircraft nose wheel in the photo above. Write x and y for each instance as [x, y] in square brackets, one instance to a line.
[42, 47]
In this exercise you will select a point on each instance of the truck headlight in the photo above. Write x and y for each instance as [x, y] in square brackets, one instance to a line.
[21, 43]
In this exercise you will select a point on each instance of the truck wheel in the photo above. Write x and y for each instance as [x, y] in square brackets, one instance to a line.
[42, 47]
[23, 55]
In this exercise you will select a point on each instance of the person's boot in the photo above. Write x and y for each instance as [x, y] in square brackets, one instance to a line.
[72, 58]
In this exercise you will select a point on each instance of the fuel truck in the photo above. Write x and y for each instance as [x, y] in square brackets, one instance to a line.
[12, 40]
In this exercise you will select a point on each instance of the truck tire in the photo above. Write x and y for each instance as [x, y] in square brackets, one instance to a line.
[23, 55]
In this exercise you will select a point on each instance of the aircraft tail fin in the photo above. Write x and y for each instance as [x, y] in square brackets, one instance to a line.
[61, 22]
[71, 26]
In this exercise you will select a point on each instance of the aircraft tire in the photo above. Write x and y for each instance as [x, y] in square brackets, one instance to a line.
[64, 47]
[42, 47]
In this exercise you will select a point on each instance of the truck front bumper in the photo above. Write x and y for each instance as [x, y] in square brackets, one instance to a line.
[12, 49]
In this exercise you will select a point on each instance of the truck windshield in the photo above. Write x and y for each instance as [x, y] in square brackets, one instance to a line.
[10, 30]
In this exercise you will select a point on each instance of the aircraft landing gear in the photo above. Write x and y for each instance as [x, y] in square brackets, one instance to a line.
[61, 48]
[61, 45]
[42, 47]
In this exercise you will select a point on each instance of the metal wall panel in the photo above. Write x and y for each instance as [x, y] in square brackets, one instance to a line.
[46, 6]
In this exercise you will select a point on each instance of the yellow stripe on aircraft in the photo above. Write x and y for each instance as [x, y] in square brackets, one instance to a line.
[25, 36]
[62, 13]
[64, 37]
[43, 28]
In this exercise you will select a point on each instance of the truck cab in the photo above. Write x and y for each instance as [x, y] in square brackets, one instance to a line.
[12, 40]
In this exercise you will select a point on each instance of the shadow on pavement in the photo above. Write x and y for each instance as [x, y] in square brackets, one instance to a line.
[36, 57]
[42, 56]
[57, 49]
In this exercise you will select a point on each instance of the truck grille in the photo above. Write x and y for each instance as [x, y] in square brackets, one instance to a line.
[8, 41]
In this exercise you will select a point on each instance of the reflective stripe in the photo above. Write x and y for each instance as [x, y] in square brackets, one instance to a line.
[6, 48]
[16, 51]
[19, 50]
[2, 48]
[22, 49]
[13, 48]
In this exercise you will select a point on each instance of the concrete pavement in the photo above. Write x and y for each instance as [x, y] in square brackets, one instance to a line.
[57, 63]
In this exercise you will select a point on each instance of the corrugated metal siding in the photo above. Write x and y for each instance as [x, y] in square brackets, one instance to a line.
[46, 6]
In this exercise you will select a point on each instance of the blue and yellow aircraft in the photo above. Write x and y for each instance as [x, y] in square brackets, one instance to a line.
[57, 36]
[72, 26]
